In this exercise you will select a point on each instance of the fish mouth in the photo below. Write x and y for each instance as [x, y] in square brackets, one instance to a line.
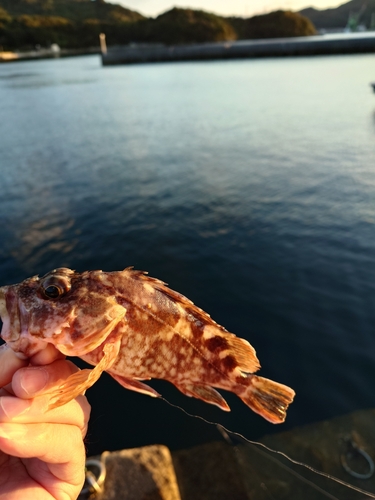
[13, 316]
[4, 315]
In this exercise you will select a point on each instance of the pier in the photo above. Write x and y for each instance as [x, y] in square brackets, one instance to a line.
[229, 469]
[345, 43]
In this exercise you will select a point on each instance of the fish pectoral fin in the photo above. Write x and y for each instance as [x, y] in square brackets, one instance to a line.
[97, 335]
[204, 392]
[135, 385]
[80, 381]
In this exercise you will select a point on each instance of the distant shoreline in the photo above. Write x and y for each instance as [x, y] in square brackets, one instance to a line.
[329, 44]
[9, 56]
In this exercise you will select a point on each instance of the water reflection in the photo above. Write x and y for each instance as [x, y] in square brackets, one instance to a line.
[41, 238]
[12, 76]
[38, 81]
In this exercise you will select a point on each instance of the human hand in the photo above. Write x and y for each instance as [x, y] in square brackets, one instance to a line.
[42, 455]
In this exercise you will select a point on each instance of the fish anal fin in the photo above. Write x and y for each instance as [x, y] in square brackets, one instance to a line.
[135, 385]
[79, 382]
[205, 393]
[267, 398]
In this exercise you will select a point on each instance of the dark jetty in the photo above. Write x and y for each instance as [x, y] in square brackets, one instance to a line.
[280, 47]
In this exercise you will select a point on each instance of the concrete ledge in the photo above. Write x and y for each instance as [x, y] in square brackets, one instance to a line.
[145, 473]
[209, 472]
[241, 471]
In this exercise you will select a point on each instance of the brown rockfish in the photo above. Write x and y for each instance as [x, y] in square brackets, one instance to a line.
[135, 328]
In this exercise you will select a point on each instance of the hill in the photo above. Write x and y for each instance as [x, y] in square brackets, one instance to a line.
[25, 24]
[338, 17]
[72, 10]
[277, 24]
[181, 26]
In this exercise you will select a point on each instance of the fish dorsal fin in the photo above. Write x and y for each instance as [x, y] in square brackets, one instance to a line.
[244, 354]
[241, 350]
[174, 296]
[161, 286]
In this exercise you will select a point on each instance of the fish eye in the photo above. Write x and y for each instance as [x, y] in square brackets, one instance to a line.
[52, 291]
[54, 287]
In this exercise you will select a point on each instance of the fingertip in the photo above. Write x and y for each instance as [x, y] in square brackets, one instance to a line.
[32, 381]
[9, 364]
[28, 382]
[46, 356]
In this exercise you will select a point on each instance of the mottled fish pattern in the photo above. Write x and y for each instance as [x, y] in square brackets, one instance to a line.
[135, 328]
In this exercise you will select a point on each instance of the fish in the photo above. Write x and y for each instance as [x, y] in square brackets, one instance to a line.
[135, 328]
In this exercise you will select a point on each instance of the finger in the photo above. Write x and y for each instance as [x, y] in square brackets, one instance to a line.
[33, 384]
[59, 446]
[32, 381]
[46, 356]
[9, 364]
[31, 411]
[43, 441]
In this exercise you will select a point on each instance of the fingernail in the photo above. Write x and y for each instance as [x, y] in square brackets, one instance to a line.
[34, 380]
[12, 407]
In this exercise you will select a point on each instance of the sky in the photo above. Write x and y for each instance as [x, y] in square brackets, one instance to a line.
[245, 8]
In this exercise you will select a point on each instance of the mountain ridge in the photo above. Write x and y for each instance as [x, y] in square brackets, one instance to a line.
[73, 10]
[338, 17]
[25, 24]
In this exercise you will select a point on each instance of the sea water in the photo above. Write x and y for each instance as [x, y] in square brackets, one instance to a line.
[247, 185]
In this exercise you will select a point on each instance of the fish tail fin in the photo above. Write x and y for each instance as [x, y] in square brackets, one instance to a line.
[267, 398]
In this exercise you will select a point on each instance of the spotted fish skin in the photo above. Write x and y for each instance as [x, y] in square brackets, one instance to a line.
[150, 331]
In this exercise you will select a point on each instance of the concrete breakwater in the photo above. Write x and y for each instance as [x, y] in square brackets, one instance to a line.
[277, 47]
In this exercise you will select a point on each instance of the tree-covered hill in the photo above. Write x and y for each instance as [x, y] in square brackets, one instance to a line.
[179, 26]
[25, 24]
[273, 25]
[77, 24]
[73, 10]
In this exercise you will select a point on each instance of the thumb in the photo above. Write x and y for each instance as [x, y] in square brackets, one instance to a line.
[9, 364]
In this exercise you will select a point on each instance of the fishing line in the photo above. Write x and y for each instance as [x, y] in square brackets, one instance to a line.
[294, 473]
[276, 452]
[279, 464]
